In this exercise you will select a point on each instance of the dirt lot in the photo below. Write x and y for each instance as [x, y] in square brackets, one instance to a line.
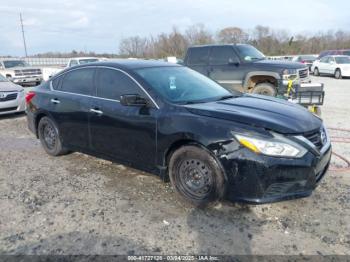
[78, 204]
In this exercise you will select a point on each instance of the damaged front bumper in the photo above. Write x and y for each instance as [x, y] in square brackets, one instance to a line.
[256, 178]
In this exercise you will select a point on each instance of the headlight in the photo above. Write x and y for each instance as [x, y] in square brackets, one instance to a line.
[289, 74]
[277, 146]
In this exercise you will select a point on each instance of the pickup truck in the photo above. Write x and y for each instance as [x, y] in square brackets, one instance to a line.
[244, 68]
[19, 72]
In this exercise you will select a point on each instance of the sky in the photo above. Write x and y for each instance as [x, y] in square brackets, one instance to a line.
[92, 25]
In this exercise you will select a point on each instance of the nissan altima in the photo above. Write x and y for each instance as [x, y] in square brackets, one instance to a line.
[171, 121]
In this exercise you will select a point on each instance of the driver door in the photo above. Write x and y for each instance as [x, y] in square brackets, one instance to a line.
[225, 68]
[127, 133]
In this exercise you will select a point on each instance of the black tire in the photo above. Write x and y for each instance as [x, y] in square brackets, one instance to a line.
[49, 137]
[266, 89]
[337, 74]
[38, 83]
[196, 176]
[316, 72]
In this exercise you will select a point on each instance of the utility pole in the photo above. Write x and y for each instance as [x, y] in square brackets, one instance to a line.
[24, 39]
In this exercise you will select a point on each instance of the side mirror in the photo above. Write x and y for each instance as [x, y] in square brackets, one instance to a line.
[133, 100]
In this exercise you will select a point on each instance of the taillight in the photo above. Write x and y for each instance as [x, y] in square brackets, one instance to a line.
[303, 61]
[29, 96]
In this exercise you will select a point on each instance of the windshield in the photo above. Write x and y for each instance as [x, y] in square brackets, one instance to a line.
[85, 61]
[249, 53]
[342, 60]
[183, 85]
[14, 63]
[2, 79]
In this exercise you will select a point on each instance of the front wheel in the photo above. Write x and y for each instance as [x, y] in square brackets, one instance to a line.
[266, 89]
[196, 176]
[49, 137]
[337, 74]
[316, 72]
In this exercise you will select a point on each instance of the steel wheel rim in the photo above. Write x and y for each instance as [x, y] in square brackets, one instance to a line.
[195, 177]
[49, 135]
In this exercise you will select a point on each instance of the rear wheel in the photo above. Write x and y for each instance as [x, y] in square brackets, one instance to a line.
[337, 74]
[49, 137]
[316, 72]
[266, 89]
[196, 176]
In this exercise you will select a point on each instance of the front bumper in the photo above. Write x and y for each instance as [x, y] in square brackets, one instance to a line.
[261, 179]
[22, 80]
[13, 106]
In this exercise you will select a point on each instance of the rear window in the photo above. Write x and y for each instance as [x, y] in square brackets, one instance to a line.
[198, 56]
[79, 81]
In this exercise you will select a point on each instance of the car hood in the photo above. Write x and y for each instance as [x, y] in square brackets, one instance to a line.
[22, 68]
[261, 111]
[280, 64]
[7, 86]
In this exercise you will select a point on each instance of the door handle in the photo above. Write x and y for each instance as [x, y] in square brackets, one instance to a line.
[96, 111]
[55, 101]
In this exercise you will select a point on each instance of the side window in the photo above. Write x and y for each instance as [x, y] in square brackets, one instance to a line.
[56, 83]
[79, 81]
[111, 84]
[222, 55]
[330, 59]
[73, 63]
[198, 56]
[324, 59]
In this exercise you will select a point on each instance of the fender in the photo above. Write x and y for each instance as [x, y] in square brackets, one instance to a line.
[259, 73]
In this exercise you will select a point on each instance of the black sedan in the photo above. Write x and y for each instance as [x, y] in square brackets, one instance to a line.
[174, 122]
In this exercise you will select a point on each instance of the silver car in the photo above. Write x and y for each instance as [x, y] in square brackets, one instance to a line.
[12, 97]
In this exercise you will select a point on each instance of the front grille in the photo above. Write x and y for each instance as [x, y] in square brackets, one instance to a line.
[315, 138]
[8, 97]
[303, 73]
[27, 72]
[8, 109]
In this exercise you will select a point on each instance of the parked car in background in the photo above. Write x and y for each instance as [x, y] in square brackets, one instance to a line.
[12, 98]
[335, 65]
[82, 60]
[334, 52]
[244, 68]
[19, 72]
[305, 59]
[172, 121]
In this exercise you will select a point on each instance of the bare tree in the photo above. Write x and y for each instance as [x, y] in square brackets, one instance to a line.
[232, 35]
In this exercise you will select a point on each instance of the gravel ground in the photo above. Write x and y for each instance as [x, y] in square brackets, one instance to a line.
[77, 204]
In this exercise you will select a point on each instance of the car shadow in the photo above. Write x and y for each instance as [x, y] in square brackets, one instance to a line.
[77, 243]
[224, 229]
[12, 116]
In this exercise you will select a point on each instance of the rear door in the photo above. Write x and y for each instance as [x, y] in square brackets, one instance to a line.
[69, 105]
[127, 133]
[225, 67]
[197, 59]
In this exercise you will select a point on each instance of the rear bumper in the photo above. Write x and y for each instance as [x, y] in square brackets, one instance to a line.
[261, 179]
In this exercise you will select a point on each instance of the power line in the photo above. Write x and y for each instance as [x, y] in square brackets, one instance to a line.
[24, 39]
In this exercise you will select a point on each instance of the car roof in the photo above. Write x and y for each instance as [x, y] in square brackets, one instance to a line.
[216, 45]
[85, 57]
[130, 63]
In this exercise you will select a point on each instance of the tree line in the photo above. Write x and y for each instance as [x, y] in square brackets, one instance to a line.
[269, 41]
